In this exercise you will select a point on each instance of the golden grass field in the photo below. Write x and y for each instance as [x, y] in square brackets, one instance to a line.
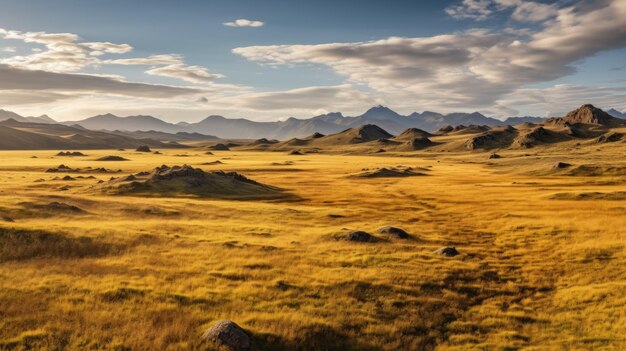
[540, 268]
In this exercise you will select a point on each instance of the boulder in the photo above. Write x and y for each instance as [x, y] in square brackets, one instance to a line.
[448, 251]
[229, 335]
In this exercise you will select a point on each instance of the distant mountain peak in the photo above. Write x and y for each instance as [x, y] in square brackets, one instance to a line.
[380, 112]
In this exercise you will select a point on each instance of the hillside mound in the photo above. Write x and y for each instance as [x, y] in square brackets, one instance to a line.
[588, 114]
[143, 148]
[496, 138]
[263, 141]
[365, 133]
[412, 133]
[186, 180]
[537, 136]
[219, 147]
[415, 144]
[387, 172]
[70, 153]
[471, 129]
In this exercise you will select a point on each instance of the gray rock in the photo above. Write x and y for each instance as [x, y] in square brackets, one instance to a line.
[229, 335]
[449, 251]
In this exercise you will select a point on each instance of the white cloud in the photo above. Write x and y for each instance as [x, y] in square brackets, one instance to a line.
[194, 74]
[244, 23]
[8, 49]
[468, 70]
[523, 10]
[65, 53]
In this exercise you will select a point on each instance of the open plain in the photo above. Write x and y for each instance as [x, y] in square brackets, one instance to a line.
[541, 262]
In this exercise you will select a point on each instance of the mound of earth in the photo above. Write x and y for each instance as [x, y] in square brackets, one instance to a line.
[412, 133]
[70, 153]
[62, 168]
[219, 147]
[388, 172]
[445, 130]
[537, 136]
[188, 181]
[495, 138]
[112, 158]
[365, 133]
[588, 114]
[295, 152]
[394, 232]
[264, 141]
[494, 156]
[227, 335]
[316, 135]
[415, 144]
[143, 148]
[471, 129]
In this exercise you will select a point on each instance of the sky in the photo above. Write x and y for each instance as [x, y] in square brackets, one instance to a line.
[273, 59]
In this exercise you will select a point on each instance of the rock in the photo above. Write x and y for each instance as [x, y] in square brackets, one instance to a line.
[394, 232]
[295, 152]
[228, 334]
[360, 236]
[494, 156]
[143, 148]
[449, 251]
[561, 165]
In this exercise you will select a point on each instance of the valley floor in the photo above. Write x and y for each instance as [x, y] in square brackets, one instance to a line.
[542, 264]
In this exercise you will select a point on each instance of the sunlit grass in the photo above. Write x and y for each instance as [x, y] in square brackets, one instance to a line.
[534, 273]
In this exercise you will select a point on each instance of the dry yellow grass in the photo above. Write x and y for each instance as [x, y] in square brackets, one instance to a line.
[535, 273]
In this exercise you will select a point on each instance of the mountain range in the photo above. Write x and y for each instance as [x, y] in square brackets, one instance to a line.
[240, 128]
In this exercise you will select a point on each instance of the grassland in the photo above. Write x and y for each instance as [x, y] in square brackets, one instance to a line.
[538, 270]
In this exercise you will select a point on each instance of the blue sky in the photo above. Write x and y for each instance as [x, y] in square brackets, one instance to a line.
[500, 57]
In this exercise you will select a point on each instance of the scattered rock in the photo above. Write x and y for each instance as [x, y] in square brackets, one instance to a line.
[448, 251]
[394, 232]
[143, 148]
[228, 334]
[561, 165]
